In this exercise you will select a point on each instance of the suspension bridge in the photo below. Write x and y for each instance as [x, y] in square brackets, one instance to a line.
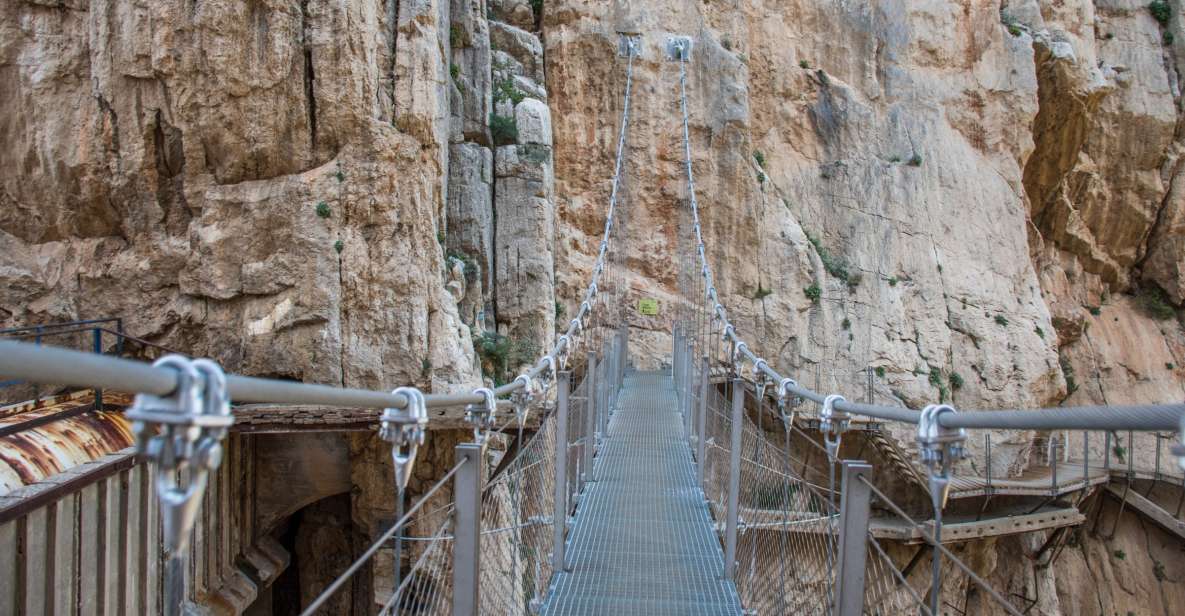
[715, 486]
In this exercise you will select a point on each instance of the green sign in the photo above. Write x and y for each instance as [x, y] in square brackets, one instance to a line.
[648, 306]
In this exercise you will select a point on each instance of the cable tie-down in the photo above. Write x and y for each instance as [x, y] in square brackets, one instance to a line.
[939, 447]
[180, 432]
[404, 429]
[483, 414]
[833, 423]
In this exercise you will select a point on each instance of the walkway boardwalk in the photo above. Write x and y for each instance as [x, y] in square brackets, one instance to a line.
[643, 542]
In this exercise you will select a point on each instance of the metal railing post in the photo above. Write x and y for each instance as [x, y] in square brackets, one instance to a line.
[603, 393]
[701, 427]
[592, 395]
[467, 531]
[853, 532]
[97, 345]
[734, 478]
[560, 515]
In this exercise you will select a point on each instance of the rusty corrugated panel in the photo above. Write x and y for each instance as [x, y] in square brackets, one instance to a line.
[43, 451]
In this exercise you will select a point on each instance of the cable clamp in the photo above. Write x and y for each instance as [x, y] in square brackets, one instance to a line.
[181, 433]
[404, 429]
[522, 397]
[833, 423]
[760, 378]
[939, 447]
[793, 402]
[483, 414]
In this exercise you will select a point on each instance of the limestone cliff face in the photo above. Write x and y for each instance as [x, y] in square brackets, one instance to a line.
[984, 194]
[988, 197]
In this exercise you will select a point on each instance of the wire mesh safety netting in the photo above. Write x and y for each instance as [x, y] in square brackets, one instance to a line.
[516, 527]
[787, 524]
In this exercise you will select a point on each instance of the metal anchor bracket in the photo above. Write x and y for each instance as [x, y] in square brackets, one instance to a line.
[787, 397]
[482, 415]
[940, 448]
[678, 47]
[404, 429]
[833, 423]
[629, 43]
[522, 397]
[179, 432]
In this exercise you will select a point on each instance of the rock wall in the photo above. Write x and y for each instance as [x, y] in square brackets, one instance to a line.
[982, 196]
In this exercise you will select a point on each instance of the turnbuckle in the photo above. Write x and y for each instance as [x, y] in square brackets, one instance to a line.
[482, 415]
[180, 432]
[940, 448]
[404, 429]
[833, 423]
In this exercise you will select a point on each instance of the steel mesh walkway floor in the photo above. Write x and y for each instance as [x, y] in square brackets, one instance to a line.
[643, 541]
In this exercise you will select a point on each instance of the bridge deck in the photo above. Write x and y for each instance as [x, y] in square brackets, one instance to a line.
[643, 541]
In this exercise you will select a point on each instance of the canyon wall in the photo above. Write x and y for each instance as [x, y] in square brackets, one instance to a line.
[980, 202]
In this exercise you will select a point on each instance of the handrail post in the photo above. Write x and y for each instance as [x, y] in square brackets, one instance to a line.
[701, 425]
[734, 479]
[467, 531]
[560, 515]
[97, 346]
[592, 400]
[853, 532]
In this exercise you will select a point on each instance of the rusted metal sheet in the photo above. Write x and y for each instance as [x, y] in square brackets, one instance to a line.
[64, 432]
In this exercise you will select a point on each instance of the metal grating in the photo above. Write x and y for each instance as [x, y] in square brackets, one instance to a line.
[642, 541]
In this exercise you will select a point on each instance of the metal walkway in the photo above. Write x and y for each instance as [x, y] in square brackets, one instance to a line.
[642, 540]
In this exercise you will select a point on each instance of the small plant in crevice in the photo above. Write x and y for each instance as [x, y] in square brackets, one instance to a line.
[880, 372]
[762, 292]
[1167, 38]
[846, 324]
[537, 8]
[1161, 11]
[500, 354]
[1168, 365]
[440, 237]
[1119, 555]
[726, 43]
[1068, 373]
[956, 381]
[759, 158]
[915, 160]
[894, 159]
[1040, 332]
[505, 89]
[341, 177]
[425, 368]
[1158, 570]
[1014, 30]
[1001, 320]
[455, 37]
[339, 246]
[761, 177]
[503, 129]
[939, 268]
[813, 293]
[893, 280]
[804, 64]
[835, 266]
[1094, 310]
[454, 71]
[1155, 303]
[323, 210]
[559, 309]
